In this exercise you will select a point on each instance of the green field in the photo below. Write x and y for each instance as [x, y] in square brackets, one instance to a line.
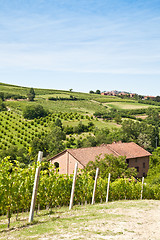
[90, 103]
[127, 105]
[98, 123]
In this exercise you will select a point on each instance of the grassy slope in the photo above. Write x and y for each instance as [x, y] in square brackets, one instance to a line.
[90, 104]
[119, 220]
[14, 129]
[127, 105]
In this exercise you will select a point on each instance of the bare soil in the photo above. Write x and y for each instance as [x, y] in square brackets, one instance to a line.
[126, 223]
[121, 220]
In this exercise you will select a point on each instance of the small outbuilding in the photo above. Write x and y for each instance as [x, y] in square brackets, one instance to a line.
[136, 156]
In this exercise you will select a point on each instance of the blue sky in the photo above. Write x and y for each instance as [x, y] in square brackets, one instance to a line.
[81, 44]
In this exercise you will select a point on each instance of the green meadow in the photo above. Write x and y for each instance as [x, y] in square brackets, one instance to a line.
[127, 105]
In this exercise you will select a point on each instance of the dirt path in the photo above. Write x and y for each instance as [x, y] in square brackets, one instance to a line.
[126, 223]
[138, 224]
[120, 220]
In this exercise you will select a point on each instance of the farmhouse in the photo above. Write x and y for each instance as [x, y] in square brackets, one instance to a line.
[135, 155]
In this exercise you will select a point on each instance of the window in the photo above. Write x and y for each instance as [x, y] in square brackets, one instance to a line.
[56, 164]
[137, 169]
[135, 159]
[144, 165]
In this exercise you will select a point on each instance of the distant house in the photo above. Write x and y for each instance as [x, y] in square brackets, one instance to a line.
[132, 95]
[118, 93]
[149, 97]
[135, 155]
[110, 93]
[123, 94]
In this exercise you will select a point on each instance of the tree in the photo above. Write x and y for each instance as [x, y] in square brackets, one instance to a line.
[144, 140]
[55, 140]
[2, 106]
[90, 126]
[91, 91]
[155, 137]
[157, 99]
[101, 135]
[89, 141]
[153, 175]
[134, 131]
[118, 119]
[49, 145]
[153, 117]
[117, 166]
[31, 94]
[34, 111]
[114, 136]
[80, 128]
[58, 123]
[2, 96]
[15, 153]
[38, 144]
[98, 91]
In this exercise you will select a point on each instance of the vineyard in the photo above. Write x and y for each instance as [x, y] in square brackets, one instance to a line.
[15, 130]
[54, 189]
[85, 120]
[70, 107]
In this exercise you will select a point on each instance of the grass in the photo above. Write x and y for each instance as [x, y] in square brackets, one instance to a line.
[127, 105]
[90, 103]
[83, 222]
[80, 106]
[98, 123]
[106, 99]
[46, 96]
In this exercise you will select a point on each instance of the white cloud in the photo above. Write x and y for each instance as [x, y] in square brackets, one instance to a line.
[88, 44]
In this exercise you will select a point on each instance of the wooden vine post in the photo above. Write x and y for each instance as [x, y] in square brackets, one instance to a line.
[109, 177]
[142, 188]
[35, 187]
[73, 186]
[95, 185]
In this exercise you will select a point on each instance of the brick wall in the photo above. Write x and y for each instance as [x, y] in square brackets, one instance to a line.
[142, 165]
[67, 164]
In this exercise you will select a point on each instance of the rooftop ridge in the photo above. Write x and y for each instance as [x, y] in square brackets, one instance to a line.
[113, 150]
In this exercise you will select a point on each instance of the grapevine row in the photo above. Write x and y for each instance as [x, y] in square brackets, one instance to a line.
[54, 189]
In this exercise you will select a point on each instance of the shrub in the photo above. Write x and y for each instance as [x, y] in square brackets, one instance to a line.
[34, 111]
[2, 106]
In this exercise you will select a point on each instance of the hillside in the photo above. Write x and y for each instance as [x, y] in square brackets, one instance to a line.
[86, 103]
[70, 107]
[115, 220]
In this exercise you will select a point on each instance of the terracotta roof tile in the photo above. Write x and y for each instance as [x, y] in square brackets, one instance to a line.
[130, 150]
[84, 155]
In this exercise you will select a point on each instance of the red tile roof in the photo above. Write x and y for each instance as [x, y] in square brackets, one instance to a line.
[130, 150]
[84, 155]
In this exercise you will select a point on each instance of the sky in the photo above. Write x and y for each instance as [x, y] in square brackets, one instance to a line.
[81, 44]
